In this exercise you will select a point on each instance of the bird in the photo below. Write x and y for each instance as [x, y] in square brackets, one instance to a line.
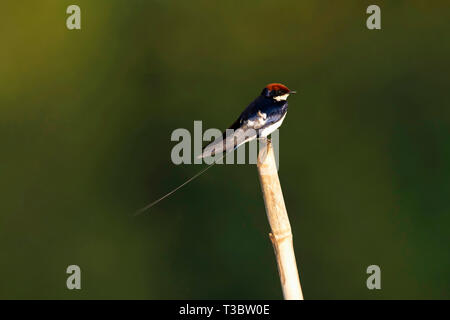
[262, 116]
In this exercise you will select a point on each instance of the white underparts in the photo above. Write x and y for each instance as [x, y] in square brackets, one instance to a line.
[269, 129]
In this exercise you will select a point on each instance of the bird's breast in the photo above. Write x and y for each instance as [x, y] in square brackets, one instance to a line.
[267, 130]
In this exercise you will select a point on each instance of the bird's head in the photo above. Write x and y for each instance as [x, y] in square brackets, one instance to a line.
[277, 91]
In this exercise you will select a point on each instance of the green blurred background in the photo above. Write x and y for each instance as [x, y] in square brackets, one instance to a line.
[85, 124]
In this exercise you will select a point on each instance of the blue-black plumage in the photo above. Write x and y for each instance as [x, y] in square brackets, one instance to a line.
[263, 115]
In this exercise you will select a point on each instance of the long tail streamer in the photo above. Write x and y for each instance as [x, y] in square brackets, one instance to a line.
[138, 212]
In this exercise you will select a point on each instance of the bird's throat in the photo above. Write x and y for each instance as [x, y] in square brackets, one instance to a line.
[282, 98]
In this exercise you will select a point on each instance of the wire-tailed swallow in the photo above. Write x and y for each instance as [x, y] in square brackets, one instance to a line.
[262, 117]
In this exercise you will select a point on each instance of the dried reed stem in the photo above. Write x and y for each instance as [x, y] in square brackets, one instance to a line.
[281, 235]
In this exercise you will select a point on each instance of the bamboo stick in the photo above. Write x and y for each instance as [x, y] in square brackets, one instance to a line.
[281, 235]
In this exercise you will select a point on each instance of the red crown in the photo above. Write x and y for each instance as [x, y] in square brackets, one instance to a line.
[277, 86]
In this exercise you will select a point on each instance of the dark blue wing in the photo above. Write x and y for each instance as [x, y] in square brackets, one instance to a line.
[273, 111]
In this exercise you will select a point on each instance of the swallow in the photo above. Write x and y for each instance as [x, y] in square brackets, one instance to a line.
[262, 116]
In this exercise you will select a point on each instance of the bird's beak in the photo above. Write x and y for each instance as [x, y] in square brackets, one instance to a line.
[292, 92]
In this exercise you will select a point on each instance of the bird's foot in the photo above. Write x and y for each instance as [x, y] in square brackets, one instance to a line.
[265, 139]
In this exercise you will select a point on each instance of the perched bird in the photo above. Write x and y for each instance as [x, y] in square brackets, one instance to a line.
[262, 117]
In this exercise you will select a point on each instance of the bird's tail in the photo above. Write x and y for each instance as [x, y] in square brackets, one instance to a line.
[147, 207]
[222, 145]
[228, 142]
